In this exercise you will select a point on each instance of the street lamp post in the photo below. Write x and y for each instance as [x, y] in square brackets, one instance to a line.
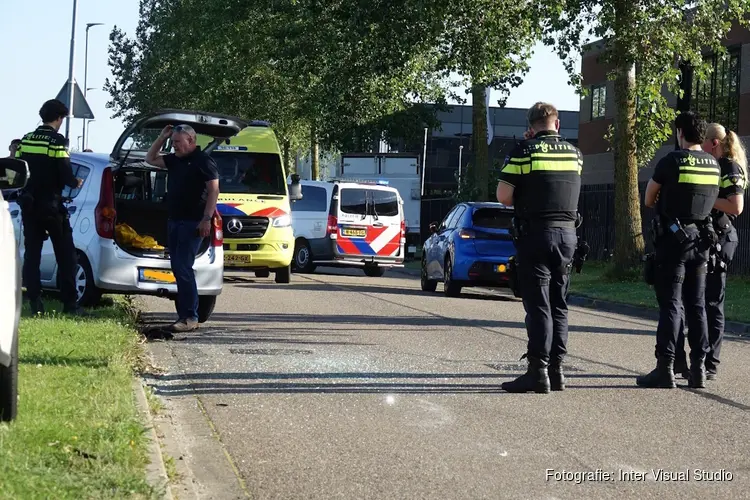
[85, 144]
[86, 73]
[460, 154]
[70, 69]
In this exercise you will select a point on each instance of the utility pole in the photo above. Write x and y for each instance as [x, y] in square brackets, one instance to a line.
[86, 75]
[70, 69]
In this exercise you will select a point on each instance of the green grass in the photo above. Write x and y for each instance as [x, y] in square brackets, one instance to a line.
[593, 282]
[78, 434]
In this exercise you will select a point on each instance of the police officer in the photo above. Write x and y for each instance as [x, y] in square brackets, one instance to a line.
[726, 147]
[541, 178]
[686, 182]
[42, 209]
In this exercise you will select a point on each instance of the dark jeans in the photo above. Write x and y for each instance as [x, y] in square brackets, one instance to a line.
[184, 242]
[681, 292]
[716, 283]
[544, 255]
[58, 227]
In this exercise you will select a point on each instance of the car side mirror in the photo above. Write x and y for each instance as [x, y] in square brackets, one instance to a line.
[433, 227]
[14, 174]
[295, 188]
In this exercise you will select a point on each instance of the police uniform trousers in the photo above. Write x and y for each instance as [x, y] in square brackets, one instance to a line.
[716, 282]
[680, 285]
[36, 225]
[544, 257]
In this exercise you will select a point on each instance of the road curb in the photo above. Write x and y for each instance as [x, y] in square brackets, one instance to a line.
[156, 471]
[736, 327]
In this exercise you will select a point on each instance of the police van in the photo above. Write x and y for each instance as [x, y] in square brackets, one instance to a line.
[346, 223]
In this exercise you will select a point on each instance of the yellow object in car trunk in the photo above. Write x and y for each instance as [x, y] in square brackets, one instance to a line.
[128, 236]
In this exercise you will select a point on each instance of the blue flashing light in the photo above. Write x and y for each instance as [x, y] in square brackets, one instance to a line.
[383, 182]
[259, 123]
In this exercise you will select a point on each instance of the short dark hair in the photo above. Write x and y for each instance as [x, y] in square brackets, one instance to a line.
[692, 125]
[52, 110]
[541, 112]
[15, 141]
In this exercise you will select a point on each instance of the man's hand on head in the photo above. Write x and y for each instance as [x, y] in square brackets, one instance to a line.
[166, 132]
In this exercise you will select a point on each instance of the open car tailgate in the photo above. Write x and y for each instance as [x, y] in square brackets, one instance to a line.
[139, 136]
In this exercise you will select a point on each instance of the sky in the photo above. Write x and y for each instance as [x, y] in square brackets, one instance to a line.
[35, 40]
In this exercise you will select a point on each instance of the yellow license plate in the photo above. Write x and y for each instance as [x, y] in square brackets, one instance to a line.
[158, 275]
[354, 232]
[237, 259]
[501, 268]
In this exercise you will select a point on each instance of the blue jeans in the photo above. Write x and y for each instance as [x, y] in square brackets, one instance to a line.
[184, 243]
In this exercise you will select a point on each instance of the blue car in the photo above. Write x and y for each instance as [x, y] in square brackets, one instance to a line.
[470, 247]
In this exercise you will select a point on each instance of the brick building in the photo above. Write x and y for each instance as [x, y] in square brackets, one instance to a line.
[724, 98]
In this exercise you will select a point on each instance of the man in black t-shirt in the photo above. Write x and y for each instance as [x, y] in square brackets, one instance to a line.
[192, 192]
[541, 178]
[686, 183]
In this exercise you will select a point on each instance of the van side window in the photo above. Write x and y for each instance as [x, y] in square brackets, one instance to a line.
[79, 172]
[314, 199]
[385, 203]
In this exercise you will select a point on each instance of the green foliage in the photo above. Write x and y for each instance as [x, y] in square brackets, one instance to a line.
[655, 35]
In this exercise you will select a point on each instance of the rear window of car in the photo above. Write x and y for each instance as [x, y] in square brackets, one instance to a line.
[353, 201]
[492, 218]
[369, 202]
[385, 203]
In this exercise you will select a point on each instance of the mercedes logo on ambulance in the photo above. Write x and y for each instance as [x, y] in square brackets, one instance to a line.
[234, 226]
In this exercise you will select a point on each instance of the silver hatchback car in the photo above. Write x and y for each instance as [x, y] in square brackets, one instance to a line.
[119, 218]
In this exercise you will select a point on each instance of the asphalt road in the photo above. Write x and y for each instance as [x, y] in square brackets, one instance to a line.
[343, 386]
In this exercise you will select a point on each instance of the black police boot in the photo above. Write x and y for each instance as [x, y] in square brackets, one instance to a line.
[556, 377]
[697, 374]
[536, 379]
[37, 307]
[661, 377]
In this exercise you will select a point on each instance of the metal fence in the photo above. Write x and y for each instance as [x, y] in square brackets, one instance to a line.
[596, 204]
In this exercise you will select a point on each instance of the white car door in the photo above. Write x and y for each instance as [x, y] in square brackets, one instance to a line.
[7, 282]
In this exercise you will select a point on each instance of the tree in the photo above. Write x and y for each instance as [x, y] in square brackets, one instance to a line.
[488, 43]
[644, 44]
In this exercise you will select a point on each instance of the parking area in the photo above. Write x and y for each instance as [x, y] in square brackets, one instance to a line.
[339, 385]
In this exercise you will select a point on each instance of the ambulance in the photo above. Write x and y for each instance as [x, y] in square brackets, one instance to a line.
[254, 203]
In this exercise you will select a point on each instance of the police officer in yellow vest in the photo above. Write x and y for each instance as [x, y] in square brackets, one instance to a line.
[541, 178]
[686, 183]
[42, 209]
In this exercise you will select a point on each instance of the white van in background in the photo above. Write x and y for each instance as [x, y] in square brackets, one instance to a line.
[348, 224]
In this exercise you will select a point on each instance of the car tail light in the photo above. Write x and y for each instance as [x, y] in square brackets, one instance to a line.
[105, 210]
[333, 226]
[403, 231]
[218, 232]
[466, 234]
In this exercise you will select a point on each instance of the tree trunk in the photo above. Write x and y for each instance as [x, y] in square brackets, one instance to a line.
[287, 158]
[314, 156]
[480, 149]
[629, 244]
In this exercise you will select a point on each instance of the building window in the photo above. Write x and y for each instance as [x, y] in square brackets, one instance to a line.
[717, 98]
[598, 101]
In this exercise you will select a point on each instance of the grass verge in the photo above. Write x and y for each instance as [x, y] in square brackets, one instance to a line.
[78, 433]
[594, 282]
